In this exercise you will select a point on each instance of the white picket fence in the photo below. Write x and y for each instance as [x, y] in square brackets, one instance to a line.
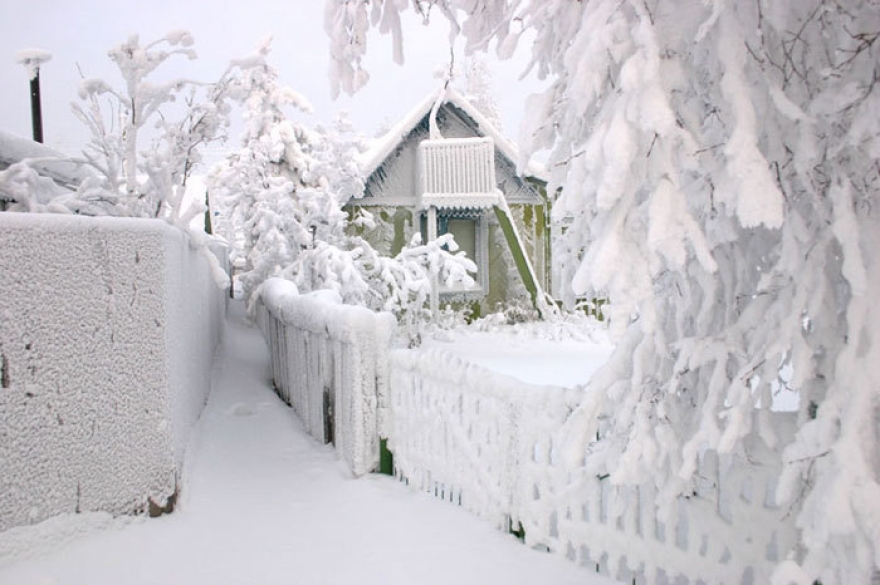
[491, 444]
[329, 363]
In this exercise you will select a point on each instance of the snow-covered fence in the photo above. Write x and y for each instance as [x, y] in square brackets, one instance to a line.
[492, 444]
[107, 333]
[329, 362]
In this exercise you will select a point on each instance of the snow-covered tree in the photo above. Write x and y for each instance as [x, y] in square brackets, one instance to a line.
[263, 183]
[720, 181]
[144, 145]
[144, 142]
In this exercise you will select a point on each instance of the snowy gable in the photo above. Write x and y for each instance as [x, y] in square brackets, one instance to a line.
[391, 165]
[463, 182]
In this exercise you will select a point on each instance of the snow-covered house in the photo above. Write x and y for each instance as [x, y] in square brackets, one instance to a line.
[461, 179]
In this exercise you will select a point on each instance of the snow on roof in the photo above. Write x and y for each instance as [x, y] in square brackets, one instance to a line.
[381, 148]
[49, 162]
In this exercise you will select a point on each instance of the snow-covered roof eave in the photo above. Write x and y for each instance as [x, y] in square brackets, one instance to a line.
[48, 162]
[461, 200]
[382, 147]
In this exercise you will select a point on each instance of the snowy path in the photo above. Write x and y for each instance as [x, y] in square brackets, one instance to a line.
[265, 504]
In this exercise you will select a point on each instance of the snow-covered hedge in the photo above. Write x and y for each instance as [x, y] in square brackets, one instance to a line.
[107, 332]
[495, 446]
[329, 362]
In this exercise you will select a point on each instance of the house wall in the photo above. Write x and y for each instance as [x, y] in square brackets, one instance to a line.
[107, 330]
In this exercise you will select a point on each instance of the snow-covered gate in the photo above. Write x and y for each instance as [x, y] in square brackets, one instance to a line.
[496, 446]
[329, 363]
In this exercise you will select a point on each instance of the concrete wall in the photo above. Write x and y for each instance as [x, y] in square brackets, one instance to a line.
[107, 329]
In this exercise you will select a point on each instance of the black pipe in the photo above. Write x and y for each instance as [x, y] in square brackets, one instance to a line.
[36, 110]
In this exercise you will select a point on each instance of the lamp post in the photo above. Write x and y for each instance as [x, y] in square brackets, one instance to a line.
[32, 59]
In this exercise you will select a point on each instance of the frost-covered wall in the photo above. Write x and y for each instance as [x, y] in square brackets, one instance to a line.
[495, 446]
[107, 330]
[329, 362]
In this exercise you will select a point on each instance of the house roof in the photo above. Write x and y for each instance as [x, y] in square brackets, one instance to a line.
[48, 162]
[383, 147]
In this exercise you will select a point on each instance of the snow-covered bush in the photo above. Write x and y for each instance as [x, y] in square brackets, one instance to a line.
[721, 186]
[145, 139]
[400, 285]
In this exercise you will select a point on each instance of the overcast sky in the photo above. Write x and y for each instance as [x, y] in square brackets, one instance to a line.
[79, 33]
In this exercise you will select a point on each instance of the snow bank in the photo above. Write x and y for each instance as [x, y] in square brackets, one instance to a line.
[106, 337]
[493, 445]
[328, 362]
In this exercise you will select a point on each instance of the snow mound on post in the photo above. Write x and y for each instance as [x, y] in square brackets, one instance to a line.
[32, 59]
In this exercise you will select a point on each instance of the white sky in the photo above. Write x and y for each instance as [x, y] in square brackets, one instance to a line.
[79, 33]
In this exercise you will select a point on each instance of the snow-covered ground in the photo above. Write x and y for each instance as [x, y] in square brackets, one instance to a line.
[263, 503]
[555, 353]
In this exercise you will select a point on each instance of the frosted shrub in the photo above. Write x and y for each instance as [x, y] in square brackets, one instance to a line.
[145, 139]
[718, 165]
[400, 285]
